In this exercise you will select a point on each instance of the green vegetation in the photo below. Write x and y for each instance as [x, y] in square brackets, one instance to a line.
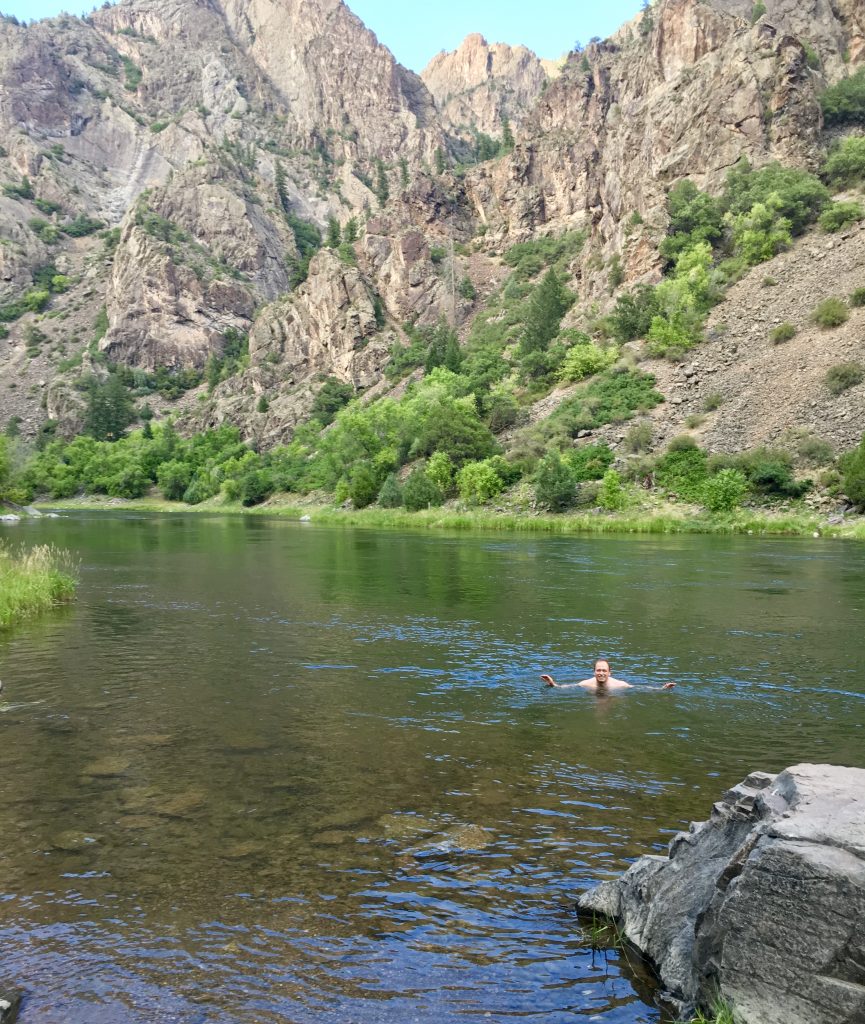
[845, 165]
[857, 298]
[843, 376]
[853, 475]
[841, 215]
[844, 102]
[132, 73]
[783, 332]
[831, 312]
[33, 581]
[720, 1012]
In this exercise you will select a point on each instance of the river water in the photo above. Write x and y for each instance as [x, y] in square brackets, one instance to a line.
[265, 771]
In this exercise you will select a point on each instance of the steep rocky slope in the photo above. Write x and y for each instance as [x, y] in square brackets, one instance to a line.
[201, 135]
[480, 85]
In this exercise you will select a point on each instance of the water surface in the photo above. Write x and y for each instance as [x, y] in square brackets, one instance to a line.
[264, 771]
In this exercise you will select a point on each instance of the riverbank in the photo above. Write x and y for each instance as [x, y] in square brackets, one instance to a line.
[660, 520]
[33, 581]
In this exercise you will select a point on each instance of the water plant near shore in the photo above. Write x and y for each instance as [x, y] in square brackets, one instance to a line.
[34, 581]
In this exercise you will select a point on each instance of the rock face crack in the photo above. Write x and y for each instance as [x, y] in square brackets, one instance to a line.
[762, 903]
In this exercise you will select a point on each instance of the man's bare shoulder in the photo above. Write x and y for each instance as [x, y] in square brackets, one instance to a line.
[618, 684]
[589, 684]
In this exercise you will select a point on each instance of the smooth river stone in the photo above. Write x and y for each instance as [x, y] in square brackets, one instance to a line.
[406, 826]
[180, 805]
[72, 841]
[248, 848]
[107, 767]
[331, 837]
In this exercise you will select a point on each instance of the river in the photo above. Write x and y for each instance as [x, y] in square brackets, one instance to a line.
[265, 771]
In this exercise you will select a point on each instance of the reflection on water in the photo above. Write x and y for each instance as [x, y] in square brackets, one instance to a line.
[265, 772]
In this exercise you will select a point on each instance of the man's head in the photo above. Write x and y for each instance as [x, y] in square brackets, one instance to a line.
[602, 671]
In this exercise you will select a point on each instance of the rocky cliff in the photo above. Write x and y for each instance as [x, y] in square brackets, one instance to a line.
[481, 85]
[164, 161]
[759, 906]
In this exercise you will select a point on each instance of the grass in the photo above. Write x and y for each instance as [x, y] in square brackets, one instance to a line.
[604, 933]
[720, 1012]
[33, 581]
[664, 520]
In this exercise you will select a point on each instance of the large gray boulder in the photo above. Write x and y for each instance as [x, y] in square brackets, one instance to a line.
[763, 905]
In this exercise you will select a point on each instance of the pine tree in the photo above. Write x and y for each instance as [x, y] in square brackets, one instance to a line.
[507, 135]
[334, 235]
[351, 232]
[281, 190]
[548, 304]
[382, 189]
[403, 172]
[440, 160]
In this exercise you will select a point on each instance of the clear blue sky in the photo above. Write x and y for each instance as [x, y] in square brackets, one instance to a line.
[416, 32]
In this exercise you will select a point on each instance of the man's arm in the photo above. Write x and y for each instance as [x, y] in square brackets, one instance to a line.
[549, 681]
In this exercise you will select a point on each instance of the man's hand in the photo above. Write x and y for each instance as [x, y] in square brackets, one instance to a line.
[668, 686]
[549, 681]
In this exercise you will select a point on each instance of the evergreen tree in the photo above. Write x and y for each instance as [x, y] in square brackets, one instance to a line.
[440, 160]
[403, 172]
[548, 304]
[351, 232]
[109, 409]
[334, 235]
[507, 135]
[555, 486]
[382, 189]
[281, 190]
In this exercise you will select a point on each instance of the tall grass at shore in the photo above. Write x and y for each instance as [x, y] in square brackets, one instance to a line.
[33, 581]
[793, 523]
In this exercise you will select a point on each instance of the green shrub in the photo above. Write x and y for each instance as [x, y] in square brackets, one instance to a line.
[857, 297]
[844, 102]
[612, 496]
[363, 487]
[555, 485]
[683, 471]
[390, 495]
[831, 313]
[639, 438]
[845, 165]
[770, 472]
[853, 475]
[694, 420]
[840, 215]
[590, 461]
[757, 11]
[695, 216]
[528, 259]
[440, 469]
[787, 193]
[467, 290]
[783, 332]
[762, 232]
[583, 361]
[632, 315]
[81, 226]
[843, 376]
[814, 451]
[173, 478]
[477, 482]
[724, 491]
[714, 400]
[419, 492]
[333, 396]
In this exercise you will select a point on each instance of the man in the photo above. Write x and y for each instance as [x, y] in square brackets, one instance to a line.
[602, 681]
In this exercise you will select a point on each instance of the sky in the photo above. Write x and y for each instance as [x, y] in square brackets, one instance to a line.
[415, 32]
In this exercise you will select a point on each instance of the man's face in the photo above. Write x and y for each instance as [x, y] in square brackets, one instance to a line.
[602, 673]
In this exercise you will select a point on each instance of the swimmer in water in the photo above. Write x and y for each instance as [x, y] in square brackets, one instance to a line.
[601, 682]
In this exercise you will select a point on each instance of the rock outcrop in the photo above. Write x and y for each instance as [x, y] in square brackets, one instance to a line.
[761, 905]
[479, 85]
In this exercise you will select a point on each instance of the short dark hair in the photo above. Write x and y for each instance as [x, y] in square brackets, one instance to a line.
[606, 662]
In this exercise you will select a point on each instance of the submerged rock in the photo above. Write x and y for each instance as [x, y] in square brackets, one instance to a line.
[10, 1003]
[762, 904]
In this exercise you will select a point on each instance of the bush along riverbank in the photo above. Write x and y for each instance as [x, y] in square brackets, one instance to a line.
[34, 581]
[658, 518]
